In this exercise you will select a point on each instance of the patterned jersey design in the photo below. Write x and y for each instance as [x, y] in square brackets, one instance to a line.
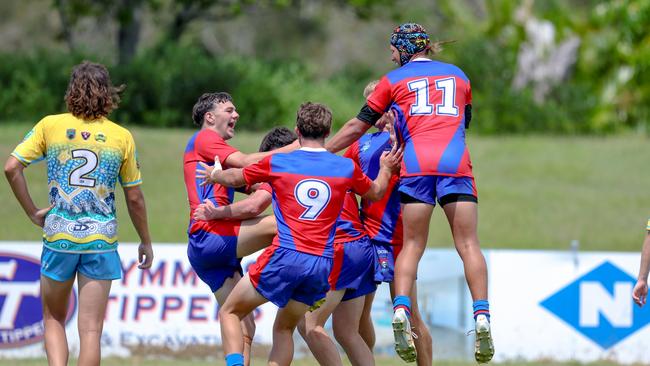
[309, 187]
[429, 98]
[203, 146]
[382, 219]
[84, 162]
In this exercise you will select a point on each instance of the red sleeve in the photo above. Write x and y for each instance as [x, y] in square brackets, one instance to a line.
[468, 94]
[381, 98]
[353, 152]
[265, 187]
[258, 172]
[209, 144]
[360, 182]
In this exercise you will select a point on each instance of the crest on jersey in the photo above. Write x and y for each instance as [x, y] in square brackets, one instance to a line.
[100, 137]
[365, 146]
[85, 134]
[70, 132]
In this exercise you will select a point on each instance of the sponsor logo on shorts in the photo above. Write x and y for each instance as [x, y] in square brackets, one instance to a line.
[21, 315]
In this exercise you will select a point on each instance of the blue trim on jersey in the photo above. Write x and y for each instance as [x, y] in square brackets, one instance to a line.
[285, 237]
[127, 184]
[311, 164]
[425, 69]
[410, 157]
[453, 154]
[347, 227]
[190, 143]
[371, 146]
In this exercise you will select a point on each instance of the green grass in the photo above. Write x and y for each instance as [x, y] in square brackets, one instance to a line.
[535, 192]
[135, 361]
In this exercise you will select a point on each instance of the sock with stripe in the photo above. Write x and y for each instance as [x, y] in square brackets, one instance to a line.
[481, 307]
[235, 359]
[402, 302]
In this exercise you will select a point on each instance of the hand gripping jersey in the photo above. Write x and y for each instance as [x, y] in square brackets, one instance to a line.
[429, 98]
[84, 161]
[382, 219]
[309, 186]
[203, 147]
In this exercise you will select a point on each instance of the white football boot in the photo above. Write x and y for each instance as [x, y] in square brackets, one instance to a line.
[404, 345]
[483, 346]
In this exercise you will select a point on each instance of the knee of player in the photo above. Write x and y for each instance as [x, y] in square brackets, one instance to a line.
[343, 334]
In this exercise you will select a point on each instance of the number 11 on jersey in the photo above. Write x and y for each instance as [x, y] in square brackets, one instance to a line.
[423, 107]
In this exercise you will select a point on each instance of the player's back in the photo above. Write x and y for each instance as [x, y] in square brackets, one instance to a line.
[382, 219]
[309, 186]
[429, 98]
[85, 159]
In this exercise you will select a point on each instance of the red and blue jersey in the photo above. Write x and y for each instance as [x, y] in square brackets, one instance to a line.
[429, 98]
[349, 226]
[309, 187]
[203, 147]
[382, 219]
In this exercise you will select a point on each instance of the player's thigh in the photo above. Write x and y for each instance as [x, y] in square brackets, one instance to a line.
[55, 296]
[463, 219]
[228, 285]
[347, 315]
[255, 234]
[243, 298]
[319, 316]
[416, 218]
[289, 316]
[93, 297]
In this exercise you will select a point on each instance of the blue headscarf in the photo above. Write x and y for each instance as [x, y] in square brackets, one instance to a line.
[409, 39]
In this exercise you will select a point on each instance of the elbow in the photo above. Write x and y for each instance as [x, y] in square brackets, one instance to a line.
[11, 167]
[252, 210]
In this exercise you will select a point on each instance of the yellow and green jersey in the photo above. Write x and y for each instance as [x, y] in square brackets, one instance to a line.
[84, 161]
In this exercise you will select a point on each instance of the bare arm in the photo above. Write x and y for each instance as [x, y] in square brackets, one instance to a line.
[349, 133]
[640, 292]
[389, 165]
[138, 213]
[247, 208]
[14, 173]
[241, 160]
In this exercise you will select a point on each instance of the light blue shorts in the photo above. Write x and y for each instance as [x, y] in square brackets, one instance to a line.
[61, 266]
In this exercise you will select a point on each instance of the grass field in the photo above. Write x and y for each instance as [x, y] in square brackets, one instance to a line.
[535, 192]
[297, 362]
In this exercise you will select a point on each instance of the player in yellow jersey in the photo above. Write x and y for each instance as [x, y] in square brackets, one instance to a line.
[640, 292]
[86, 154]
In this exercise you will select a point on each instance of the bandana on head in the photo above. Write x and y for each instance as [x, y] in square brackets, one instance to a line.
[409, 39]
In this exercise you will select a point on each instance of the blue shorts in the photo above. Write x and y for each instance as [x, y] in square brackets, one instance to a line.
[213, 257]
[429, 188]
[282, 274]
[385, 257]
[62, 266]
[353, 268]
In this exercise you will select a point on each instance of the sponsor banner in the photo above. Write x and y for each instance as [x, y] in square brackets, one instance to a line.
[563, 306]
[544, 304]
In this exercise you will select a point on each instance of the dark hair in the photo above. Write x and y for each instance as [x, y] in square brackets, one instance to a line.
[206, 103]
[314, 120]
[276, 138]
[90, 94]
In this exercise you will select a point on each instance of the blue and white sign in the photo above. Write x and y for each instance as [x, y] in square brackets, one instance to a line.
[599, 306]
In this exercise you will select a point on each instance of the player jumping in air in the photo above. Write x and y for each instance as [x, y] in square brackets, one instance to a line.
[308, 190]
[86, 155]
[433, 104]
[215, 247]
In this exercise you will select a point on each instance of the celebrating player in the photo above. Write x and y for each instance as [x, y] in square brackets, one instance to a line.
[86, 154]
[215, 247]
[640, 292]
[383, 223]
[309, 186]
[433, 104]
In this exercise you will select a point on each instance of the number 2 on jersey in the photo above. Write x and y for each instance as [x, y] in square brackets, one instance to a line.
[423, 107]
[314, 195]
[77, 175]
